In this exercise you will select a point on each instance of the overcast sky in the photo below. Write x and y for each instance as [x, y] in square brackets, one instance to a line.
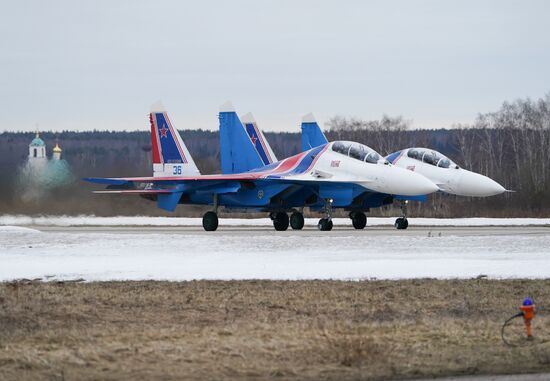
[101, 64]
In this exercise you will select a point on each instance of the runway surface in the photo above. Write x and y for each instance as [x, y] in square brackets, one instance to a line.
[259, 252]
[308, 231]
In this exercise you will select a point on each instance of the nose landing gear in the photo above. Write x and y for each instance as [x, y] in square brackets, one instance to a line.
[401, 223]
[325, 224]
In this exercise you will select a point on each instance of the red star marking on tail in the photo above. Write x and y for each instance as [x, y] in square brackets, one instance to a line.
[253, 140]
[163, 131]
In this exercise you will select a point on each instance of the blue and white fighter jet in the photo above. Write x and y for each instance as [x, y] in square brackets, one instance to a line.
[443, 172]
[323, 176]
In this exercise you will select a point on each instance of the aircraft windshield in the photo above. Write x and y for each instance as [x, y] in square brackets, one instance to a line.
[429, 156]
[356, 151]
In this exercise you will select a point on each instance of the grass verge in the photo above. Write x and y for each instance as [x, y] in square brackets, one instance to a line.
[318, 330]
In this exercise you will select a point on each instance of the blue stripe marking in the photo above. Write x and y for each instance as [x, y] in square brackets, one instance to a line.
[170, 152]
[392, 156]
[251, 131]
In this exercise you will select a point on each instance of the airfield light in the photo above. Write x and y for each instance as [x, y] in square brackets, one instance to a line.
[528, 310]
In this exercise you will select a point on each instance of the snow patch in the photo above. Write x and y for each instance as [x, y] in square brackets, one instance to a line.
[268, 255]
[17, 229]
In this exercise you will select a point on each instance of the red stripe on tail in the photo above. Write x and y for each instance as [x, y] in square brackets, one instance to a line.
[154, 141]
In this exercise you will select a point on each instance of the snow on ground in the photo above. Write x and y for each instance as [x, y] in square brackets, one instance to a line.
[18, 229]
[21, 220]
[268, 255]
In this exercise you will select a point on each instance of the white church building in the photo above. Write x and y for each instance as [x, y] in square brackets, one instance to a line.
[37, 150]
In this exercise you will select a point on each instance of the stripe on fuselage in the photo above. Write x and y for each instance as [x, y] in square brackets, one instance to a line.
[303, 163]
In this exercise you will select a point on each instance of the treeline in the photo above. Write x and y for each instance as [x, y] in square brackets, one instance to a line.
[511, 145]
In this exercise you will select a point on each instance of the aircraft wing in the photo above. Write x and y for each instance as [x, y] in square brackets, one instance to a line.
[167, 180]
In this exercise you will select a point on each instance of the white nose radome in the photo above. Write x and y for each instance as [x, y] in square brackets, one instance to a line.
[476, 185]
[408, 183]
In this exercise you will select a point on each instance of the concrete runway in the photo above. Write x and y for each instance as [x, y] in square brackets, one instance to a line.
[308, 231]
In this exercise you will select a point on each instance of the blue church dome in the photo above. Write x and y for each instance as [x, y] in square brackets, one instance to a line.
[37, 142]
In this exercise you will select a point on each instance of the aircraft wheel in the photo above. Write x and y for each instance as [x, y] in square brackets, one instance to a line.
[297, 221]
[280, 221]
[401, 223]
[359, 220]
[210, 221]
[325, 224]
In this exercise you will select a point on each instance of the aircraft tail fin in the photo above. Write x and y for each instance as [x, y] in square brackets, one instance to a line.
[257, 139]
[240, 146]
[312, 136]
[170, 154]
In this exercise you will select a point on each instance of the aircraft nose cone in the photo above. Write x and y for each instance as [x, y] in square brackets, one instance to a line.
[408, 183]
[477, 185]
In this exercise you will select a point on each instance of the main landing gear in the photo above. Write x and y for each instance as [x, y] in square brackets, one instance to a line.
[401, 223]
[297, 221]
[325, 224]
[280, 220]
[210, 219]
[358, 220]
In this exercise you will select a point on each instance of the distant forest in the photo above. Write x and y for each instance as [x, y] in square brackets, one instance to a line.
[510, 145]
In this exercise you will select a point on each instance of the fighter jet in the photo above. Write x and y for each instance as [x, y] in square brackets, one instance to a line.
[244, 146]
[323, 175]
[442, 171]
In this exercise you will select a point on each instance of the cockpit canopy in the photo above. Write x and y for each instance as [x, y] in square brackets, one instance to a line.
[431, 157]
[356, 151]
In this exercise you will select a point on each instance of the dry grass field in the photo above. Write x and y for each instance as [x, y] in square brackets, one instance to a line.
[318, 330]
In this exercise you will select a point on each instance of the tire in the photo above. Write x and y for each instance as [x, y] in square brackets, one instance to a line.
[359, 220]
[280, 221]
[210, 221]
[401, 223]
[397, 223]
[297, 221]
[325, 224]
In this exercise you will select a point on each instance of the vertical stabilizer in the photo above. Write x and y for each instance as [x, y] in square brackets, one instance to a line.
[257, 139]
[171, 158]
[237, 148]
[312, 136]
